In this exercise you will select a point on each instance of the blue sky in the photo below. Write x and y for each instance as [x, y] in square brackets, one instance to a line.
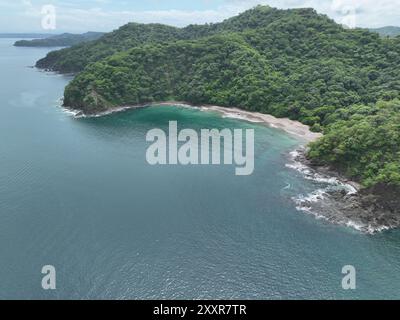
[106, 15]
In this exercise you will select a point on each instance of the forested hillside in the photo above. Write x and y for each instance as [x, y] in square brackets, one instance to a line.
[292, 63]
[76, 58]
[222, 70]
[363, 141]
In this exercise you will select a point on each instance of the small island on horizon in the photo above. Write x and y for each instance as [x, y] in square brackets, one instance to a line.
[60, 40]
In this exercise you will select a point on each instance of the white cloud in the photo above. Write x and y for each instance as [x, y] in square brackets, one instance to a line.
[72, 17]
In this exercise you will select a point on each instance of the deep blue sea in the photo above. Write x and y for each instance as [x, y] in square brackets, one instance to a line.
[78, 194]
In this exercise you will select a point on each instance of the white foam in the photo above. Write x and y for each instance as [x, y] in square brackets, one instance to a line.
[239, 117]
[303, 204]
[311, 174]
[71, 112]
[307, 202]
[357, 226]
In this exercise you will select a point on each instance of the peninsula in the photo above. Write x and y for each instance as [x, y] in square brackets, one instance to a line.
[296, 63]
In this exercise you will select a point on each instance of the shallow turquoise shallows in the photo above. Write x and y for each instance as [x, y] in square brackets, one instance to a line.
[78, 194]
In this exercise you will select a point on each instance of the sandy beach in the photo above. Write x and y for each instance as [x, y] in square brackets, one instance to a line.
[294, 128]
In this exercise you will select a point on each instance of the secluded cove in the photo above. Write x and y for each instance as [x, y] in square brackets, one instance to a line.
[78, 194]
[340, 201]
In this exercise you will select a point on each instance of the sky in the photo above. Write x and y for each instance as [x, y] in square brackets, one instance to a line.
[107, 15]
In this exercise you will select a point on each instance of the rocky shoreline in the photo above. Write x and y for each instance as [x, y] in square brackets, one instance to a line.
[345, 202]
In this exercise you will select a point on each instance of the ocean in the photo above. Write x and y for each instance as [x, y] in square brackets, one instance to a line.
[78, 194]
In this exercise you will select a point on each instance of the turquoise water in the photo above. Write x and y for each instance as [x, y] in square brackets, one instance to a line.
[79, 195]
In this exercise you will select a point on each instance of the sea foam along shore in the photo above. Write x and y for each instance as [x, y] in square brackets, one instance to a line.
[294, 128]
[341, 201]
